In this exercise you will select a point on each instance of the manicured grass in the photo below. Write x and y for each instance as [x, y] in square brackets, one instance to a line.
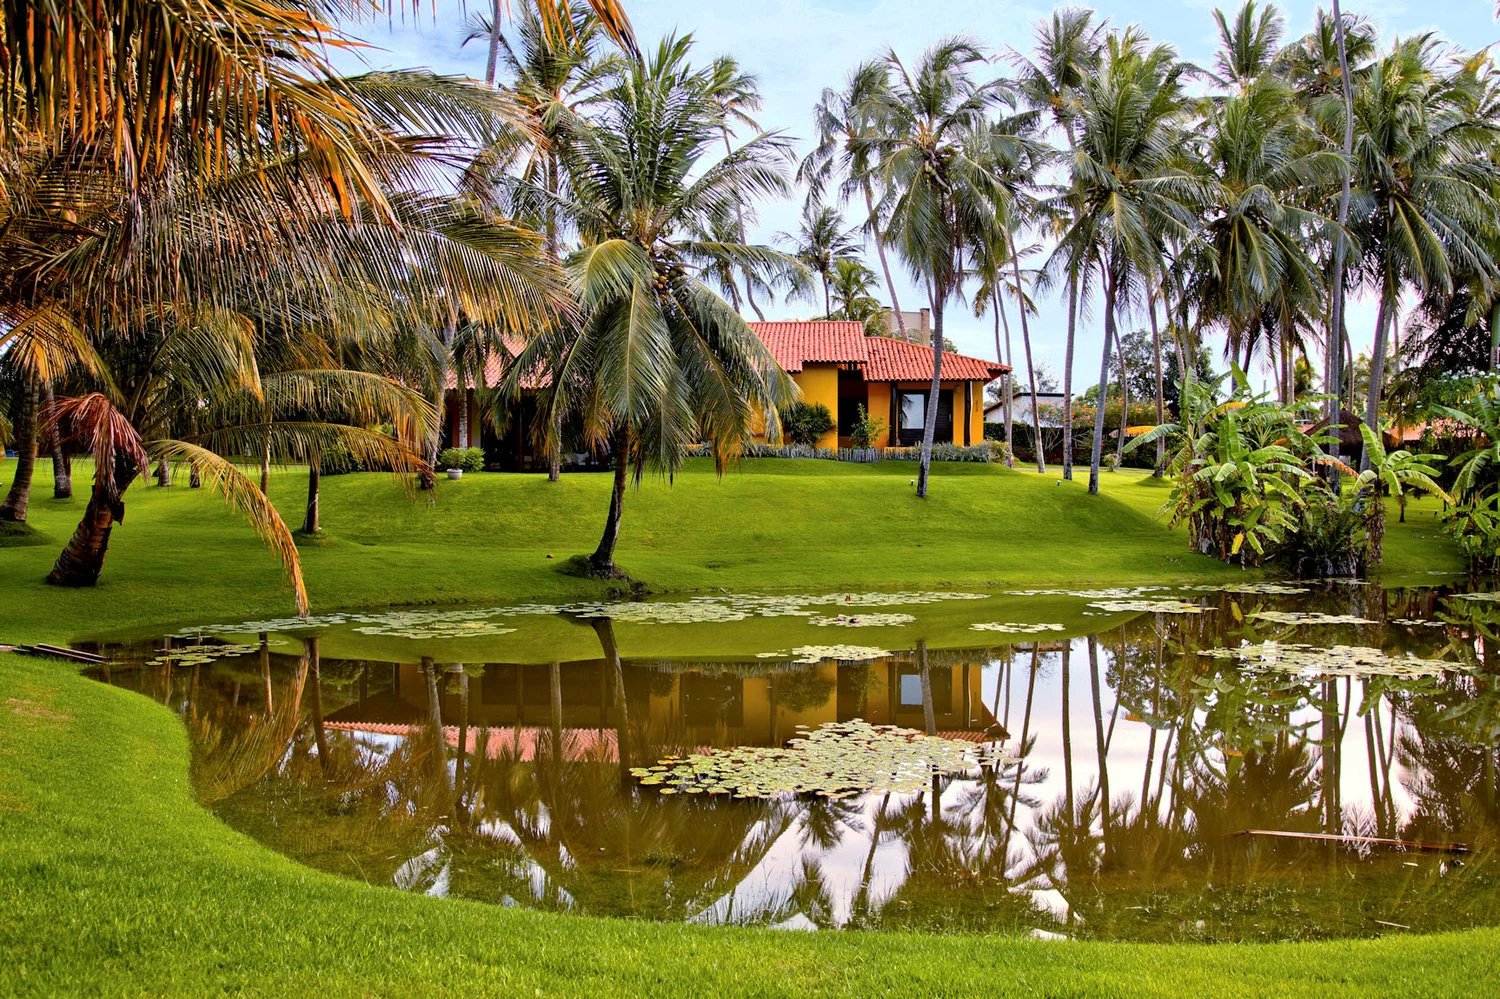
[112, 879]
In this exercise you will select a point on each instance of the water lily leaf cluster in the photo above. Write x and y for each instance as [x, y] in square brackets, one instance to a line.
[1016, 627]
[1336, 660]
[812, 654]
[835, 760]
[1308, 618]
[876, 620]
[1149, 606]
[201, 655]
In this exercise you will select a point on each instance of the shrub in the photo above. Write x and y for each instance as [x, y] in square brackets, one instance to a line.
[986, 452]
[867, 430]
[336, 460]
[468, 459]
[1330, 540]
[805, 423]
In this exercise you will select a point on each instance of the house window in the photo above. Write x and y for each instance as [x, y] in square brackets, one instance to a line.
[911, 415]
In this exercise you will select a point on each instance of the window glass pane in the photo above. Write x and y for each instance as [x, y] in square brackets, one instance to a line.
[913, 410]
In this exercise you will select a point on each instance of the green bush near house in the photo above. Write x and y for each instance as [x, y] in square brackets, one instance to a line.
[806, 423]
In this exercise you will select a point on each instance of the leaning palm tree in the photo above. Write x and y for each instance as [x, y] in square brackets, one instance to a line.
[656, 361]
[1068, 50]
[215, 262]
[934, 146]
[1131, 193]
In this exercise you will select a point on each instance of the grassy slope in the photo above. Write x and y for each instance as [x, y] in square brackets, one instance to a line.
[113, 880]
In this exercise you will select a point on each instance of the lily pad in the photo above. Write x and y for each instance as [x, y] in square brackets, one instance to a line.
[1016, 628]
[1337, 660]
[1149, 606]
[1309, 618]
[835, 760]
[823, 653]
[862, 620]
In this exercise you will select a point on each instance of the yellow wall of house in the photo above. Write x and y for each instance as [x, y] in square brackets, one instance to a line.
[820, 384]
[879, 406]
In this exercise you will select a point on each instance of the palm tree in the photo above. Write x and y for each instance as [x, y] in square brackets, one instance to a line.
[1131, 193]
[933, 145]
[1068, 50]
[844, 123]
[820, 242]
[1253, 271]
[657, 360]
[1423, 181]
[216, 263]
[852, 286]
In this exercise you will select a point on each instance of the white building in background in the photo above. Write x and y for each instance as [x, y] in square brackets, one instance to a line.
[1050, 405]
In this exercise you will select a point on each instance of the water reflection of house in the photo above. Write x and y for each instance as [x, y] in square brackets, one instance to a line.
[709, 704]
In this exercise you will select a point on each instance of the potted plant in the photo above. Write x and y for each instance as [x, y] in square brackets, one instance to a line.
[458, 460]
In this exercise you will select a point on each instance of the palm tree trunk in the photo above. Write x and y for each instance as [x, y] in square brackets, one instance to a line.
[885, 266]
[827, 300]
[1036, 417]
[1124, 403]
[1332, 356]
[265, 468]
[933, 397]
[314, 659]
[1007, 356]
[18, 500]
[602, 562]
[1100, 747]
[1109, 336]
[62, 465]
[492, 64]
[1377, 371]
[1161, 392]
[163, 474]
[82, 560]
[310, 519]
[1067, 415]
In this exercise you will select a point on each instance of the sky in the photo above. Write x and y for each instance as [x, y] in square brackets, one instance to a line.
[796, 49]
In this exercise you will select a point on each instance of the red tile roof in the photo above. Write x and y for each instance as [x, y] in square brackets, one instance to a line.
[826, 342]
[899, 361]
[879, 358]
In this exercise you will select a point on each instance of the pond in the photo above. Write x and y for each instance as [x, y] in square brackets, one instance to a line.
[1272, 761]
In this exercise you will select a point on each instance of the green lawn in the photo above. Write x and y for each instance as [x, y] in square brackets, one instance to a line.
[112, 880]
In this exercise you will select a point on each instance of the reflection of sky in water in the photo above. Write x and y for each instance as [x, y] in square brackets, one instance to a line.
[532, 835]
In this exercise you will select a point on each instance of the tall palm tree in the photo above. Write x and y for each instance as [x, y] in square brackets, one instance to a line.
[657, 360]
[1131, 193]
[1254, 273]
[820, 242]
[933, 145]
[1068, 50]
[1423, 182]
[843, 122]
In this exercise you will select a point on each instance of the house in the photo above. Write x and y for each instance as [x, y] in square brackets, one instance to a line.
[519, 709]
[1049, 406]
[835, 364]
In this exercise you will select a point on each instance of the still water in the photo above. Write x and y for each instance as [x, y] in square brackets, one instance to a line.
[1273, 762]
